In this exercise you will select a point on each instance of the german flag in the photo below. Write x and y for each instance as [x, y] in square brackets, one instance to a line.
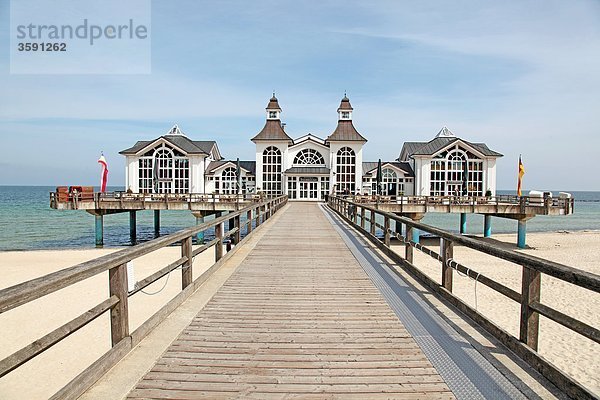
[521, 173]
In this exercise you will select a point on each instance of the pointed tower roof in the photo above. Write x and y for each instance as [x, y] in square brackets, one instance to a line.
[345, 130]
[273, 103]
[345, 104]
[273, 129]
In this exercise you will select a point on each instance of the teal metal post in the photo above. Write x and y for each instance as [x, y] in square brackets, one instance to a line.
[487, 226]
[156, 222]
[463, 223]
[132, 226]
[521, 233]
[99, 231]
[200, 235]
[416, 235]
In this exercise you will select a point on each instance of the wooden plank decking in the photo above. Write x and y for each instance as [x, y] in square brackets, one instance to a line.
[299, 319]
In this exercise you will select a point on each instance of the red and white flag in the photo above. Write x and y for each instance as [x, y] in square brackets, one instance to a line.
[104, 176]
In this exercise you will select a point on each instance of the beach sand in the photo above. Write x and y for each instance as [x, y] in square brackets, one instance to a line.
[47, 373]
[571, 352]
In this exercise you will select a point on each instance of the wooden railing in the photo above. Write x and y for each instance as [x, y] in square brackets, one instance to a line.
[522, 201]
[529, 297]
[124, 197]
[117, 303]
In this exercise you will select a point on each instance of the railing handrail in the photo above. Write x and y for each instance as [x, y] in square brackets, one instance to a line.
[563, 272]
[466, 200]
[25, 292]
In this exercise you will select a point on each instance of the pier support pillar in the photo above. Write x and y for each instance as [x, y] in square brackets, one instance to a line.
[132, 226]
[521, 233]
[199, 221]
[156, 222]
[99, 230]
[463, 223]
[487, 226]
[415, 232]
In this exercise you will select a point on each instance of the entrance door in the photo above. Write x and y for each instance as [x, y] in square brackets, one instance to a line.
[164, 186]
[308, 190]
[454, 189]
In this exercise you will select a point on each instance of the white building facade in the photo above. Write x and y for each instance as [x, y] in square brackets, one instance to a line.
[308, 168]
[448, 165]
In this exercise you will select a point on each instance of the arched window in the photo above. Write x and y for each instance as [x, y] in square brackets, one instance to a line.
[346, 170]
[164, 170]
[447, 174]
[228, 181]
[309, 157]
[272, 171]
[163, 161]
[389, 182]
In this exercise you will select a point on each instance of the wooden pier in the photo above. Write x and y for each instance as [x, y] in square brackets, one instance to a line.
[307, 321]
[307, 315]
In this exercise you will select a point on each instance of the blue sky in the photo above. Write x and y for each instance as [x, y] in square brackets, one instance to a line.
[521, 76]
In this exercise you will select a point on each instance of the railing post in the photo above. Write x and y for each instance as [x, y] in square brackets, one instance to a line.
[408, 249]
[186, 271]
[372, 222]
[362, 217]
[530, 320]
[386, 228]
[249, 222]
[236, 224]
[219, 246]
[447, 248]
[119, 314]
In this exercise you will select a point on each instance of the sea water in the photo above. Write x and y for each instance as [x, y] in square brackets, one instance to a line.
[27, 222]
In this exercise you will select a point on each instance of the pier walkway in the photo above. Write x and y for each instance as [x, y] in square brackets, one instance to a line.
[312, 312]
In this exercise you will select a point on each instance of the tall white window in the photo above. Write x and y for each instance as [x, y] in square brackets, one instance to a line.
[389, 182]
[272, 171]
[346, 170]
[448, 174]
[309, 157]
[228, 181]
[164, 170]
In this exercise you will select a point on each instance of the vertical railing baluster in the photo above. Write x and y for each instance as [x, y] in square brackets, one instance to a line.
[408, 249]
[362, 217]
[530, 320]
[186, 271]
[373, 222]
[248, 222]
[219, 245]
[119, 314]
[386, 228]
[236, 224]
[447, 250]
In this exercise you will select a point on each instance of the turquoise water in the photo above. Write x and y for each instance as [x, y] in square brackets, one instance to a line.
[27, 222]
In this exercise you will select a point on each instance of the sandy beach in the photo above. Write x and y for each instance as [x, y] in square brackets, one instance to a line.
[51, 370]
[574, 354]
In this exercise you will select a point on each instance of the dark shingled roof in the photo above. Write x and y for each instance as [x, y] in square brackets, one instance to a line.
[345, 104]
[272, 131]
[438, 143]
[183, 142]
[273, 104]
[345, 132]
[308, 170]
[369, 166]
[247, 165]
